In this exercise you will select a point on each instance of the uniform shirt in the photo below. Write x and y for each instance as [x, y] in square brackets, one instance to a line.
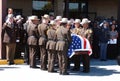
[32, 29]
[51, 34]
[51, 43]
[87, 33]
[42, 29]
[76, 31]
[32, 34]
[64, 38]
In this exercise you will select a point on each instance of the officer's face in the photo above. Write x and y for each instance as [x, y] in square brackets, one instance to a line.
[86, 25]
[35, 22]
[77, 25]
[68, 26]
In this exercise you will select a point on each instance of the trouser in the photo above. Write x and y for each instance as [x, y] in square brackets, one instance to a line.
[76, 61]
[96, 51]
[85, 61]
[10, 51]
[27, 53]
[103, 51]
[62, 58]
[112, 51]
[32, 55]
[51, 59]
[118, 60]
[43, 57]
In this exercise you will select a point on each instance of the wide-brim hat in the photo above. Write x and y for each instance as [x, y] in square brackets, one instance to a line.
[77, 21]
[34, 18]
[46, 16]
[18, 17]
[52, 22]
[58, 18]
[64, 20]
[85, 21]
[69, 22]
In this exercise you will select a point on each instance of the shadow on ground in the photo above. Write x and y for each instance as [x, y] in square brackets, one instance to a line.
[99, 68]
[8, 67]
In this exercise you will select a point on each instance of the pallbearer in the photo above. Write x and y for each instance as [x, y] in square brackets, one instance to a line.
[32, 40]
[63, 40]
[50, 46]
[42, 29]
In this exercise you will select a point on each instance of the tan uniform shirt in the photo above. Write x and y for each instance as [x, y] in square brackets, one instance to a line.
[42, 30]
[87, 33]
[64, 38]
[32, 34]
[76, 31]
[51, 34]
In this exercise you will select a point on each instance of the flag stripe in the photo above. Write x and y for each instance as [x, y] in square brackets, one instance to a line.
[79, 44]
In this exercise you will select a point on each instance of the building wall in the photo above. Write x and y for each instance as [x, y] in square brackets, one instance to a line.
[25, 5]
[106, 8]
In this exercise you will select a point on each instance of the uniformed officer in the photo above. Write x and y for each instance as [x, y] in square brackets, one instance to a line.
[76, 58]
[77, 28]
[32, 40]
[50, 46]
[87, 33]
[57, 20]
[63, 40]
[42, 29]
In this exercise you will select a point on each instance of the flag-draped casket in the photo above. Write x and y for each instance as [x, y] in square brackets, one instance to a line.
[79, 44]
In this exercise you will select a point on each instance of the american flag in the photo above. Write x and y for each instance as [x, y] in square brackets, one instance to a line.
[79, 44]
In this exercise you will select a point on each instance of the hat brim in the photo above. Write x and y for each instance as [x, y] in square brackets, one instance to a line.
[44, 17]
[58, 19]
[62, 22]
[51, 24]
[85, 22]
[35, 19]
[78, 22]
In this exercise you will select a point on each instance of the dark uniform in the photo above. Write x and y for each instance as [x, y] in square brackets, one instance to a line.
[32, 42]
[50, 46]
[63, 40]
[42, 29]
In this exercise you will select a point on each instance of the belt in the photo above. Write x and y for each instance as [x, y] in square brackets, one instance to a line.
[43, 37]
[51, 40]
[61, 39]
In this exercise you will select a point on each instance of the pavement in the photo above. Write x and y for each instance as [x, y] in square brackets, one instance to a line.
[100, 71]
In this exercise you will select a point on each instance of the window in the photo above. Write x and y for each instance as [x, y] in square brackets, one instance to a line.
[73, 6]
[42, 5]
